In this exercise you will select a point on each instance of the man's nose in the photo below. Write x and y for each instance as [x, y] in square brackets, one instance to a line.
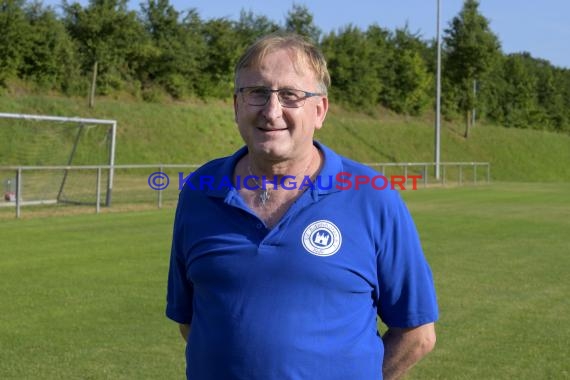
[272, 108]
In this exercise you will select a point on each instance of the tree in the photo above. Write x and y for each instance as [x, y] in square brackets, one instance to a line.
[109, 37]
[471, 50]
[352, 67]
[532, 96]
[300, 20]
[223, 50]
[50, 59]
[520, 101]
[15, 37]
[410, 82]
[562, 80]
[250, 27]
[550, 95]
[177, 48]
[381, 57]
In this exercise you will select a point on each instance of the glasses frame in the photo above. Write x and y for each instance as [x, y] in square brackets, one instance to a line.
[270, 91]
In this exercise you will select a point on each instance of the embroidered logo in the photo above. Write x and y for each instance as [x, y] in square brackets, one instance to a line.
[322, 238]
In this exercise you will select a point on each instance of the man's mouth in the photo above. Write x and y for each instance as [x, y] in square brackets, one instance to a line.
[271, 129]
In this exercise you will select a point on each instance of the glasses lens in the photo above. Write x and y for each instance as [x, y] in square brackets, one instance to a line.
[291, 98]
[259, 96]
[256, 96]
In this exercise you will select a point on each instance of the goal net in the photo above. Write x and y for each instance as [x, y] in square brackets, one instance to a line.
[54, 160]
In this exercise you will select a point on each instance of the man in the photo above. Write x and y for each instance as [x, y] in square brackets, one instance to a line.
[275, 274]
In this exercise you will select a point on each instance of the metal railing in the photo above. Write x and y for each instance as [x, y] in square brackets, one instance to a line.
[423, 168]
[129, 185]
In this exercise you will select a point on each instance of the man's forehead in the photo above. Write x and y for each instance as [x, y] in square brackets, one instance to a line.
[297, 60]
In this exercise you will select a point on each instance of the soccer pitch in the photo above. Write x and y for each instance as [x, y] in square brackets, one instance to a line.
[82, 297]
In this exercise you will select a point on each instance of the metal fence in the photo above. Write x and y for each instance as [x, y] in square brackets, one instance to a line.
[458, 173]
[63, 190]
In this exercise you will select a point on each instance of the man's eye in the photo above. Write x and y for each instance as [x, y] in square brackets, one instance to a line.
[289, 95]
[258, 92]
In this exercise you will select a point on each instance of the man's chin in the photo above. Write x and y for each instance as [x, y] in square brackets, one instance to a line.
[271, 151]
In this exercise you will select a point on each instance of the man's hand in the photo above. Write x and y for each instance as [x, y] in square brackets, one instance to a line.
[405, 347]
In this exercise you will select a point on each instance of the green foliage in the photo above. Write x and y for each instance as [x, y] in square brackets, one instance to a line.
[107, 33]
[173, 57]
[471, 51]
[380, 58]
[410, 82]
[160, 53]
[520, 104]
[300, 20]
[353, 71]
[250, 27]
[524, 92]
[14, 38]
[223, 52]
[372, 67]
[51, 59]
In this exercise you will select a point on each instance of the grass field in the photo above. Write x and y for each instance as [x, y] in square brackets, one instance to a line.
[83, 296]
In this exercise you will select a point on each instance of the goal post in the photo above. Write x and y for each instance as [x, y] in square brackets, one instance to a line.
[43, 141]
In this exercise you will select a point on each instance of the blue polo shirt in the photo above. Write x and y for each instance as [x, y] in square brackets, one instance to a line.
[300, 300]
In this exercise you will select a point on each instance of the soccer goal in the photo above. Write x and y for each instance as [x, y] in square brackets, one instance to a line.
[56, 160]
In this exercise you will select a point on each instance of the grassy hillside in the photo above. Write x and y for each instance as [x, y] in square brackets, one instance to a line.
[194, 132]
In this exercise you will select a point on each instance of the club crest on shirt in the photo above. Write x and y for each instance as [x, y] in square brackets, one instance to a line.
[322, 238]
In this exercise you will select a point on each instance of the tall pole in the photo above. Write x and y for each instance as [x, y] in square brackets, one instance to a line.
[438, 99]
[473, 113]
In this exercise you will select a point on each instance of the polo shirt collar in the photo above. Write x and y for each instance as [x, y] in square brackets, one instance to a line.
[328, 174]
[331, 168]
[226, 170]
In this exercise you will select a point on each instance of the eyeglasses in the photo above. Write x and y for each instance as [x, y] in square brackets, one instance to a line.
[288, 97]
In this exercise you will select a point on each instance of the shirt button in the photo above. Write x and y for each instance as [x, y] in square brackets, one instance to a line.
[259, 226]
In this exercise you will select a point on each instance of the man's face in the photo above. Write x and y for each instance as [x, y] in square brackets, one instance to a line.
[272, 131]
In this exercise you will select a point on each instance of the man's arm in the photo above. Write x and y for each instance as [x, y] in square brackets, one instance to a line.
[405, 347]
[184, 330]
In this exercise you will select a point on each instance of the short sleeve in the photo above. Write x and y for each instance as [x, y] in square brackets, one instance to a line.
[406, 289]
[180, 290]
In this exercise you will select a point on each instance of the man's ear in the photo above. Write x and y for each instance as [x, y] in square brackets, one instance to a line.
[322, 108]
